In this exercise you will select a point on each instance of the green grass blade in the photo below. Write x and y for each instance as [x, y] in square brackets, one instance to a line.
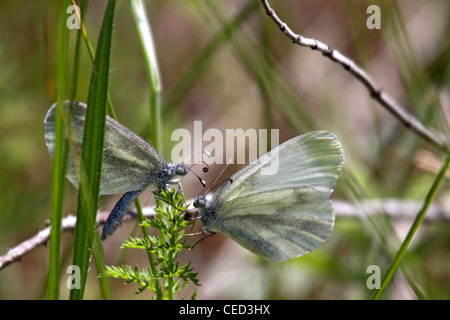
[417, 222]
[92, 151]
[59, 163]
[99, 260]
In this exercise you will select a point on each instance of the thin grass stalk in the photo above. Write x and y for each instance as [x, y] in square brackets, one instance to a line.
[91, 53]
[151, 260]
[99, 259]
[59, 162]
[76, 58]
[416, 224]
[144, 31]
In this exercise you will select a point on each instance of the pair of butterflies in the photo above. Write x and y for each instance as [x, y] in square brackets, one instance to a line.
[277, 217]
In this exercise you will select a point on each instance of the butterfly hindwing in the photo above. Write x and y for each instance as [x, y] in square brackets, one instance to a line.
[277, 225]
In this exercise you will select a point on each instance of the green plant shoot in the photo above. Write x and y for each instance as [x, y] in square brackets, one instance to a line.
[170, 222]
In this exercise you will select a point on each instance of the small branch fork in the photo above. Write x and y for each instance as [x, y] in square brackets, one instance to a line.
[375, 91]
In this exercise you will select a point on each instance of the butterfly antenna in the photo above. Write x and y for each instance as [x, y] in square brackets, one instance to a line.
[214, 185]
[199, 179]
[210, 234]
[205, 152]
[205, 169]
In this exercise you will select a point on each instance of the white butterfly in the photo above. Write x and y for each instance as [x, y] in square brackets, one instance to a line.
[130, 164]
[281, 216]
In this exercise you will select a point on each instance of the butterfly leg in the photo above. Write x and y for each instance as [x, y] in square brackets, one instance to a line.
[180, 188]
[208, 234]
[117, 214]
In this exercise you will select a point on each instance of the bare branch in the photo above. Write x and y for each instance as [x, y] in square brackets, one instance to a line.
[68, 224]
[394, 208]
[375, 91]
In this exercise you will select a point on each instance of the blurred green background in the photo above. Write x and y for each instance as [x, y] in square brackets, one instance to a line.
[227, 64]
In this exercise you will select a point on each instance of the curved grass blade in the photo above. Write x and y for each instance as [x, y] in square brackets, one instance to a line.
[76, 59]
[417, 222]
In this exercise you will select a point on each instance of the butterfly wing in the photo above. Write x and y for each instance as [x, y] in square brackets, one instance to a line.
[277, 225]
[129, 162]
[283, 213]
[314, 159]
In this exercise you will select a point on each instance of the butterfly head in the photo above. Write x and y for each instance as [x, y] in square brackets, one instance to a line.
[206, 213]
[201, 203]
[181, 169]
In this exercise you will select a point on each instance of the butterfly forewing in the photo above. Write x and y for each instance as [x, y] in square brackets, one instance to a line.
[313, 159]
[129, 162]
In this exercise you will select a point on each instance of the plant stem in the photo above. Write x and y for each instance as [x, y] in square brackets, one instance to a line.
[149, 254]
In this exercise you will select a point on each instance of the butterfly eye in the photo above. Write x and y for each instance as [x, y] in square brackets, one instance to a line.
[200, 202]
[181, 170]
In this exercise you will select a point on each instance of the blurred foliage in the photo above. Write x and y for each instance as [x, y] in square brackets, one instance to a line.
[225, 63]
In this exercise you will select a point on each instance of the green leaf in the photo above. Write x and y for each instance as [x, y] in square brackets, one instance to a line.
[165, 249]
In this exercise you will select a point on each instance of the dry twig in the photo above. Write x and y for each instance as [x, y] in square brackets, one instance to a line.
[375, 91]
